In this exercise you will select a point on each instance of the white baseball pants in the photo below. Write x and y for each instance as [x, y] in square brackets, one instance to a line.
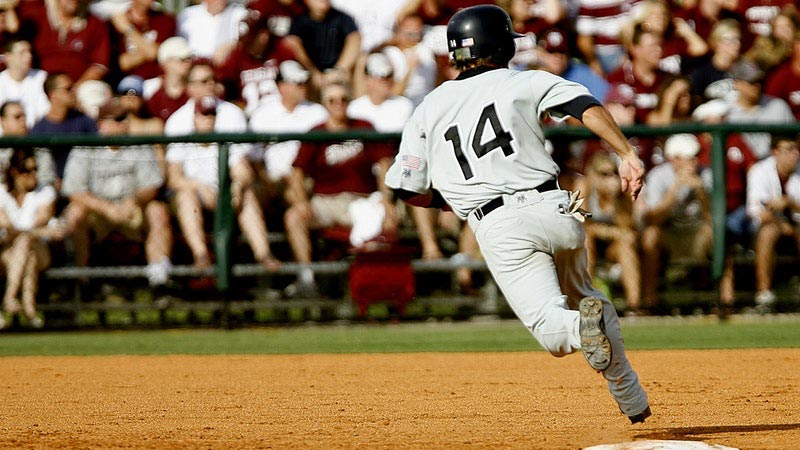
[537, 257]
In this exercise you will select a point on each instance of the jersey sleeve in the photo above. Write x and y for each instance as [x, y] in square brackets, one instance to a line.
[410, 168]
[551, 91]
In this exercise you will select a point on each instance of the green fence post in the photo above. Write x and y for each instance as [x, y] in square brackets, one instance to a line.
[223, 222]
[718, 202]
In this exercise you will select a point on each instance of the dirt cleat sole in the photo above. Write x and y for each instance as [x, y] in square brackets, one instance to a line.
[639, 418]
[594, 343]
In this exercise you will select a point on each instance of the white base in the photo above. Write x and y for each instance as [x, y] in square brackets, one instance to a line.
[660, 445]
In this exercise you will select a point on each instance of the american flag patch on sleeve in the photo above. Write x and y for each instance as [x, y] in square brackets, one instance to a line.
[410, 161]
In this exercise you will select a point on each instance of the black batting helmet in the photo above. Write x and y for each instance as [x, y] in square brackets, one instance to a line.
[482, 31]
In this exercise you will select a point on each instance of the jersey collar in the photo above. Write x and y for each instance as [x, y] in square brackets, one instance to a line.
[476, 71]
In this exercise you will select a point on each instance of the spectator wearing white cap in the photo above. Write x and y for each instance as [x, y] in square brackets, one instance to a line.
[164, 94]
[738, 161]
[193, 169]
[21, 83]
[211, 28]
[773, 205]
[249, 72]
[387, 112]
[674, 212]
[291, 112]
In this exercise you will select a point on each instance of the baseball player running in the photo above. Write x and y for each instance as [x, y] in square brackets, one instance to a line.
[476, 145]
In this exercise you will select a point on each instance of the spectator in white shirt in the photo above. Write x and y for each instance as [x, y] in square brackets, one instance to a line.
[12, 123]
[414, 63]
[291, 112]
[387, 112]
[773, 206]
[193, 169]
[211, 28]
[375, 18]
[19, 82]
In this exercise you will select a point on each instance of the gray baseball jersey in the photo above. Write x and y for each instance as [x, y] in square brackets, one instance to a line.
[480, 137]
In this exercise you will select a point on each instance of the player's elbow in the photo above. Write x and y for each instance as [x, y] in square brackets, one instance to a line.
[412, 198]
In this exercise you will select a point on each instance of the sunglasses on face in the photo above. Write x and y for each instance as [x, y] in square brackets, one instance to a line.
[209, 80]
[607, 173]
[334, 100]
[24, 170]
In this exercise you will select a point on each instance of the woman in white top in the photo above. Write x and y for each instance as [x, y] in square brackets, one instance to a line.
[25, 226]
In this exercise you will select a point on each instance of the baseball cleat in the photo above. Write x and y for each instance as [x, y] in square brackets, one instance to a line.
[639, 418]
[594, 343]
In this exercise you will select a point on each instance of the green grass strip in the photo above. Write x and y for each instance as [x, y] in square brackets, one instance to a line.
[494, 336]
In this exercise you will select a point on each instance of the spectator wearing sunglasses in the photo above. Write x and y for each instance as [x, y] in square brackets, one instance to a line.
[114, 189]
[13, 123]
[193, 169]
[26, 211]
[345, 174]
[21, 83]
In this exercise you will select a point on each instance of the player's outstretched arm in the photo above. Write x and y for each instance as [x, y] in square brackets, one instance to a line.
[631, 169]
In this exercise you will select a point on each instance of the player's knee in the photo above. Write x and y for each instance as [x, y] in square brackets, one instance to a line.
[557, 351]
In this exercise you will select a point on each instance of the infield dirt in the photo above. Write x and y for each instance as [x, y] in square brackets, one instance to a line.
[749, 399]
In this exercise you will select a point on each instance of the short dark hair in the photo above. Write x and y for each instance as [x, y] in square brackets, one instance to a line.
[777, 138]
[18, 157]
[9, 45]
[4, 108]
[51, 82]
[639, 30]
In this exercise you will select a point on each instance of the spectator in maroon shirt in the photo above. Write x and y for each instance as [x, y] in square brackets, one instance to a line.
[278, 13]
[642, 73]
[773, 49]
[784, 82]
[439, 12]
[680, 43]
[9, 20]
[67, 38]
[758, 14]
[136, 35]
[165, 94]
[250, 70]
[342, 172]
[704, 14]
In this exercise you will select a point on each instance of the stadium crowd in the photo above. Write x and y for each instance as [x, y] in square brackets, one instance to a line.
[129, 67]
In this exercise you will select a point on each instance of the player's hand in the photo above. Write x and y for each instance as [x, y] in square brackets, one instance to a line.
[631, 174]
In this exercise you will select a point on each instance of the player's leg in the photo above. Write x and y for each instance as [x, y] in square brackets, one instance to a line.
[512, 249]
[623, 382]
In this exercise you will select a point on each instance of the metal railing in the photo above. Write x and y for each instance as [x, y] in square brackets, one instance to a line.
[224, 218]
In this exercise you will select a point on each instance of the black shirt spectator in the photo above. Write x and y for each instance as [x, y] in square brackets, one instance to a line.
[323, 40]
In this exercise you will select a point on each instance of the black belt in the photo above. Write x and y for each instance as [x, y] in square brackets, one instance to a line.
[491, 205]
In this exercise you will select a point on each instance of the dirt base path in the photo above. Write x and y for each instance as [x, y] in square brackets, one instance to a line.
[745, 399]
